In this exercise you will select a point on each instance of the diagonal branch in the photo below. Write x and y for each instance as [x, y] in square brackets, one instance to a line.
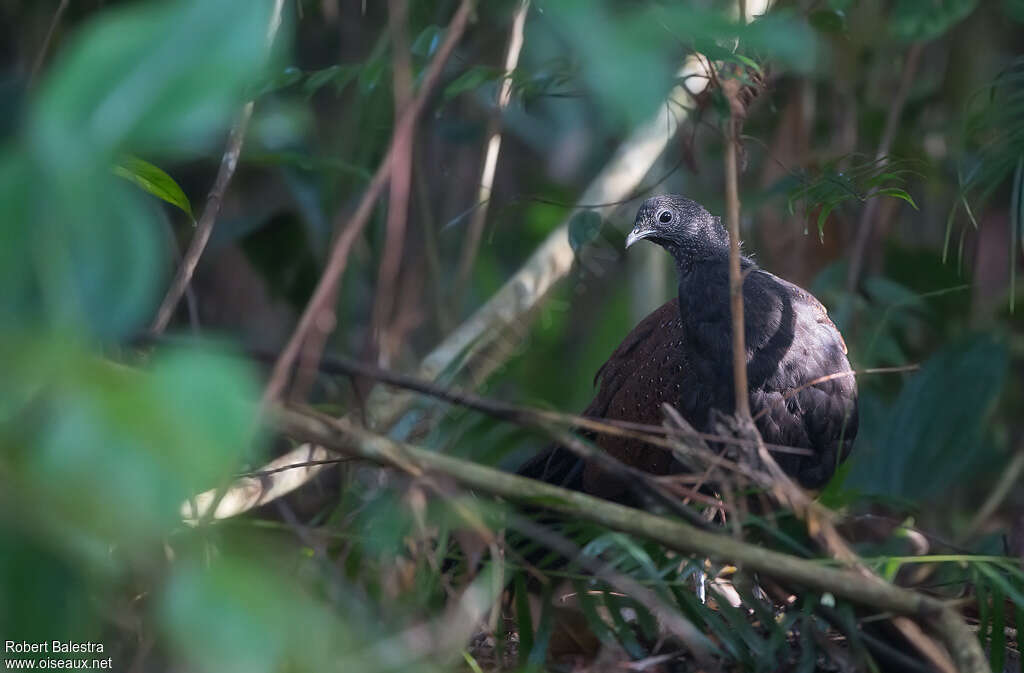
[204, 228]
[867, 217]
[398, 198]
[318, 316]
[344, 437]
[483, 198]
[506, 313]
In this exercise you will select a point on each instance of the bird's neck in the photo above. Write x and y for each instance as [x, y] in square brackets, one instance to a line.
[704, 296]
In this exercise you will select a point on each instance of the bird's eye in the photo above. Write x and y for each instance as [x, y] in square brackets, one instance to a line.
[665, 217]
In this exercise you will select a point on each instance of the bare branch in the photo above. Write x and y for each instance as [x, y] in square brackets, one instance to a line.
[511, 306]
[45, 48]
[204, 227]
[732, 209]
[318, 316]
[490, 164]
[398, 200]
[867, 216]
[344, 437]
[508, 310]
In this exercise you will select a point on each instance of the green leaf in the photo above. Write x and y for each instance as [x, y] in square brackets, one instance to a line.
[278, 80]
[236, 616]
[154, 180]
[584, 227]
[897, 193]
[524, 621]
[928, 426]
[121, 449]
[165, 76]
[469, 80]
[427, 42]
[338, 75]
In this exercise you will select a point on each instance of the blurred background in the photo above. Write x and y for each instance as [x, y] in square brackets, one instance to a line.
[881, 167]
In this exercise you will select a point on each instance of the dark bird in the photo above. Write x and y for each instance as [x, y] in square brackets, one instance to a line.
[682, 354]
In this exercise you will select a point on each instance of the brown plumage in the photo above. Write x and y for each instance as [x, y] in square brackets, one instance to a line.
[680, 354]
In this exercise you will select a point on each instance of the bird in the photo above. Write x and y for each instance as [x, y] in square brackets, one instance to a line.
[801, 388]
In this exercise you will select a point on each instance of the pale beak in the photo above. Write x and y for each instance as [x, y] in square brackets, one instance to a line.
[637, 234]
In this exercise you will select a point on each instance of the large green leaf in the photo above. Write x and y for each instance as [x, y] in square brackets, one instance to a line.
[240, 616]
[78, 250]
[167, 76]
[113, 451]
[934, 434]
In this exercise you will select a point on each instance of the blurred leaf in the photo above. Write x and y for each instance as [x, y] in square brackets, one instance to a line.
[427, 42]
[149, 76]
[938, 421]
[891, 294]
[584, 227]
[922, 21]
[42, 595]
[275, 81]
[370, 74]
[337, 75]
[118, 450]
[1014, 9]
[630, 53]
[471, 79]
[236, 616]
[154, 180]
[80, 254]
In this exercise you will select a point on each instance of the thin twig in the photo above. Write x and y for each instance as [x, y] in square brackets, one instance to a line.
[670, 618]
[510, 308]
[398, 198]
[840, 375]
[204, 227]
[319, 312]
[1009, 479]
[476, 225]
[45, 48]
[892, 121]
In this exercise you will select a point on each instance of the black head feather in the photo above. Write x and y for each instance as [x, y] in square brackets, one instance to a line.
[681, 226]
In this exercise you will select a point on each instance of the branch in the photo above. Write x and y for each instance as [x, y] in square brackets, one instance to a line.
[45, 48]
[204, 228]
[506, 314]
[512, 304]
[670, 618]
[732, 201]
[401, 180]
[343, 437]
[490, 164]
[892, 122]
[318, 315]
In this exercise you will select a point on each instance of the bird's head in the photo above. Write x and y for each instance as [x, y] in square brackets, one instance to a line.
[681, 226]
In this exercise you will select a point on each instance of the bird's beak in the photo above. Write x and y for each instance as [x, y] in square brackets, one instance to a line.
[636, 235]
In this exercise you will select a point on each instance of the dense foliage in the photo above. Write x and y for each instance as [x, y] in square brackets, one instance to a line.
[116, 116]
